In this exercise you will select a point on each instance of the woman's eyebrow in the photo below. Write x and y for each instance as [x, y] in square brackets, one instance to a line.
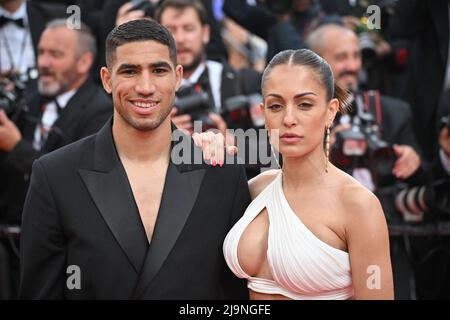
[298, 95]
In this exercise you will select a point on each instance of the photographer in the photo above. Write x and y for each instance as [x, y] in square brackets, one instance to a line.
[340, 47]
[68, 107]
[217, 82]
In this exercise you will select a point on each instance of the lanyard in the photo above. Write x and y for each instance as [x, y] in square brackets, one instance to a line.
[9, 51]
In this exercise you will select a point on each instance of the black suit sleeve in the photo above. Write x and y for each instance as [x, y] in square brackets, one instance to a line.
[406, 134]
[43, 255]
[22, 156]
[235, 288]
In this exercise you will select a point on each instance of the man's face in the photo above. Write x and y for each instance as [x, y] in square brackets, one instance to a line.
[189, 34]
[142, 80]
[9, 2]
[343, 53]
[59, 68]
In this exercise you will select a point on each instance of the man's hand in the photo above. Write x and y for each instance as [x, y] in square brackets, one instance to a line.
[124, 14]
[444, 141]
[9, 133]
[182, 122]
[408, 161]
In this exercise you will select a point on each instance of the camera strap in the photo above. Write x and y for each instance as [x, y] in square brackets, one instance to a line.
[9, 50]
[372, 104]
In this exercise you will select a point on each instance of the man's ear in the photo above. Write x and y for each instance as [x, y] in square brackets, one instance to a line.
[206, 30]
[84, 63]
[178, 76]
[106, 79]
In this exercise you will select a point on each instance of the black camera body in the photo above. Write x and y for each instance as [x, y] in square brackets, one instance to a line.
[192, 100]
[12, 95]
[415, 204]
[362, 147]
[245, 110]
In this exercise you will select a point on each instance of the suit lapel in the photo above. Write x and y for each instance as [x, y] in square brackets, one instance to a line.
[181, 189]
[110, 190]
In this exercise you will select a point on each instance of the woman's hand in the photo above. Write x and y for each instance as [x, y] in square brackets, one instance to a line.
[214, 146]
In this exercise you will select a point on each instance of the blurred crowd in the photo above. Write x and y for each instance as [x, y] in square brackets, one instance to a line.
[392, 55]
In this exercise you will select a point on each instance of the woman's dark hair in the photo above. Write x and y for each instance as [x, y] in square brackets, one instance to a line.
[138, 30]
[307, 58]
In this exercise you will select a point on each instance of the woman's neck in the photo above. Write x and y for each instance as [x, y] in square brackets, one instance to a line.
[306, 171]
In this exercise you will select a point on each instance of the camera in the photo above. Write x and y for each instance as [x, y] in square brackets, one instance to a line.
[149, 7]
[192, 100]
[240, 109]
[12, 95]
[413, 202]
[362, 147]
[245, 110]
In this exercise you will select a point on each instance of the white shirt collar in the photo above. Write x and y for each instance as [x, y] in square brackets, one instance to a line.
[20, 13]
[197, 73]
[64, 98]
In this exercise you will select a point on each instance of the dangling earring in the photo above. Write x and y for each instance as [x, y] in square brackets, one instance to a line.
[327, 148]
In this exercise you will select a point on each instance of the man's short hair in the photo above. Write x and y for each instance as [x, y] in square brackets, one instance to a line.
[86, 40]
[138, 30]
[182, 5]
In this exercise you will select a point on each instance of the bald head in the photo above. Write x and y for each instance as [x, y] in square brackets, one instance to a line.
[319, 40]
[340, 47]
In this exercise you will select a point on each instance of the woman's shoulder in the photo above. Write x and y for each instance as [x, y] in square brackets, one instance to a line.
[358, 202]
[261, 181]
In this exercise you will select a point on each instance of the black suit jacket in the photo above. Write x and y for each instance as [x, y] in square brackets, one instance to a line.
[86, 112]
[80, 210]
[396, 124]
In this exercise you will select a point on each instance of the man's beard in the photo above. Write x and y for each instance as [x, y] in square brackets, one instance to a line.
[51, 90]
[198, 58]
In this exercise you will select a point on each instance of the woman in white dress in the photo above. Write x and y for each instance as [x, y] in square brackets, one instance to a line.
[311, 231]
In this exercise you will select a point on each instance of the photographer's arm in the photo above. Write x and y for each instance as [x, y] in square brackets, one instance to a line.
[19, 152]
[409, 165]
[257, 19]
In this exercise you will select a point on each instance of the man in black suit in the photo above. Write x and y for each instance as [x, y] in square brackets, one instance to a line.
[118, 214]
[340, 47]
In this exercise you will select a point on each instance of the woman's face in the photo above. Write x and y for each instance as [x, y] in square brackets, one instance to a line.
[296, 110]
